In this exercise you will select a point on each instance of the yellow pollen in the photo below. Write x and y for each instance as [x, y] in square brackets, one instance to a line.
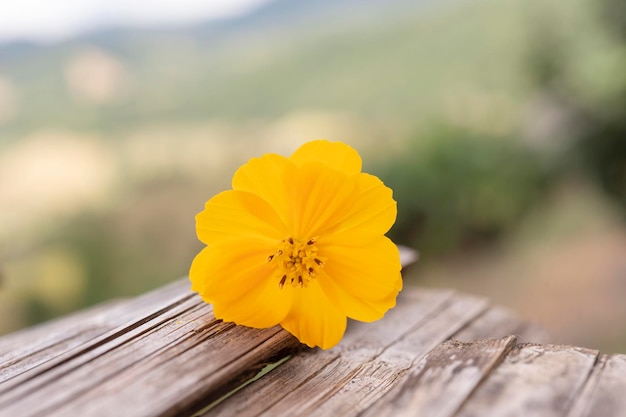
[297, 261]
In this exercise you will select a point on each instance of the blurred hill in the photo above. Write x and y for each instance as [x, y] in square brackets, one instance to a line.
[395, 59]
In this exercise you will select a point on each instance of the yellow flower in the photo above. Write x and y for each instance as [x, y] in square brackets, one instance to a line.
[299, 242]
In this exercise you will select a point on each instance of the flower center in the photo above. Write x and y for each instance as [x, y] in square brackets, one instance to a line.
[297, 261]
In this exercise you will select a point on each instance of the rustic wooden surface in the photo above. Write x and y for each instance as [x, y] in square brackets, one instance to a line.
[438, 353]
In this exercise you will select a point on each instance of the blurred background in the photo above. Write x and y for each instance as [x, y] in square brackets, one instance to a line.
[500, 125]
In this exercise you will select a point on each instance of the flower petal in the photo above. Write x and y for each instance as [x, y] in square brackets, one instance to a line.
[236, 214]
[372, 215]
[319, 196]
[197, 273]
[337, 155]
[366, 310]
[313, 319]
[265, 177]
[228, 265]
[264, 305]
[363, 281]
[240, 282]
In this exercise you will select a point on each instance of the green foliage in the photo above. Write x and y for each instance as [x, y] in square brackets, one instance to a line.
[601, 150]
[614, 13]
[599, 143]
[604, 146]
[456, 189]
[391, 64]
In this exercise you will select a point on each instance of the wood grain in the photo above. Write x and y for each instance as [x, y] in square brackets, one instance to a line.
[320, 371]
[533, 380]
[605, 391]
[443, 379]
[370, 361]
[175, 358]
[497, 322]
[30, 348]
[437, 353]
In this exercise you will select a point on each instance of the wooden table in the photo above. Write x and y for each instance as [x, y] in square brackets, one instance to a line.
[438, 353]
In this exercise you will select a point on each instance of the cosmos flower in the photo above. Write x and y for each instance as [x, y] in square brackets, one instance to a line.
[299, 242]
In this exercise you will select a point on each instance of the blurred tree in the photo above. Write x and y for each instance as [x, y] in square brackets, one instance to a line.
[614, 12]
[602, 146]
[456, 190]
[595, 127]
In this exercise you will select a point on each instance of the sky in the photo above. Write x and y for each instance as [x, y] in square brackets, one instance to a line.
[53, 20]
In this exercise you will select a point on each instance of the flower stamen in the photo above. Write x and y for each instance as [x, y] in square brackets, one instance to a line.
[297, 261]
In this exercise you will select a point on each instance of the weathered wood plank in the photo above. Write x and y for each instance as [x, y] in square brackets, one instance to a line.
[371, 359]
[51, 332]
[182, 348]
[408, 256]
[285, 385]
[376, 377]
[497, 322]
[605, 392]
[185, 380]
[443, 379]
[30, 348]
[164, 354]
[532, 380]
[160, 354]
